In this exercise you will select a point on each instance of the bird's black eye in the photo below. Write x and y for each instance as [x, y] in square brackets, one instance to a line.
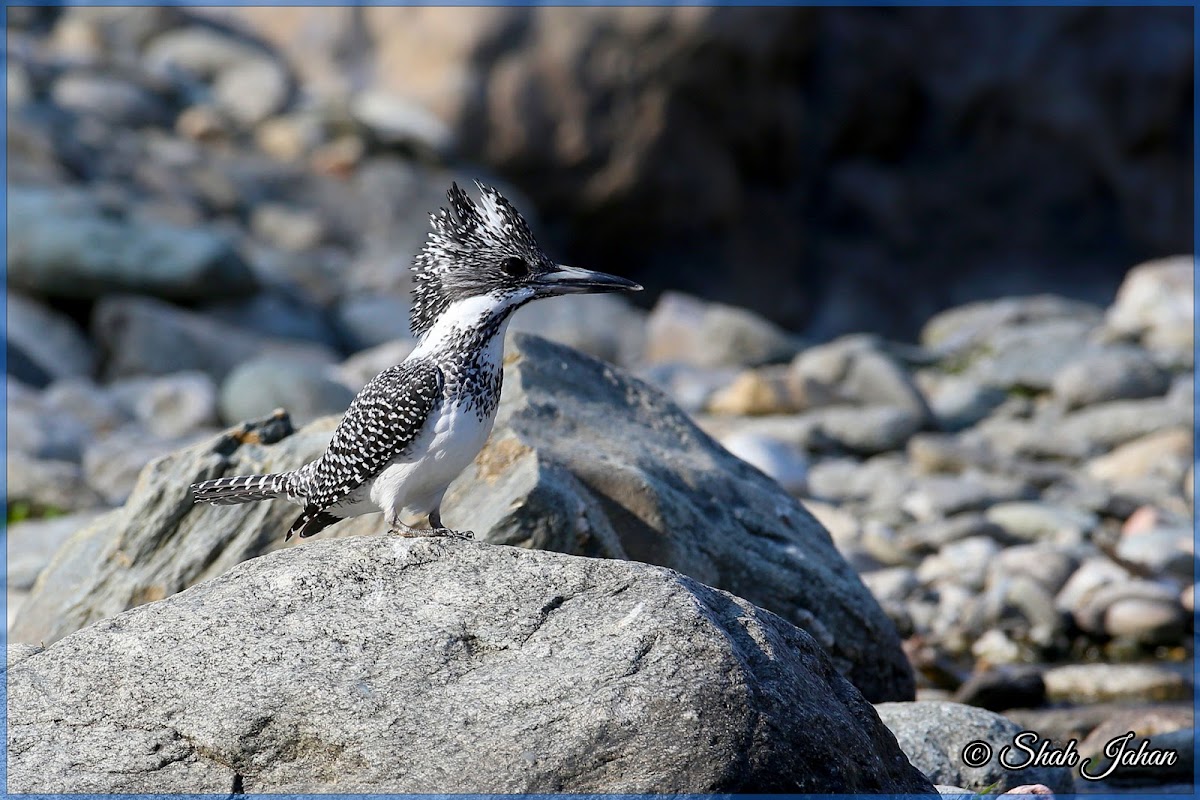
[514, 267]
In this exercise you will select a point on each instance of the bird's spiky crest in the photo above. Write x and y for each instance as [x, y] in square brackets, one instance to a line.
[464, 237]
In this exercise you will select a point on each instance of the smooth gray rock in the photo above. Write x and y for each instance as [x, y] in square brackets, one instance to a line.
[966, 327]
[278, 313]
[17, 84]
[801, 431]
[252, 90]
[891, 585]
[113, 462]
[1146, 721]
[198, 50]
[44, 433]
[52, 341]
[1101, 375]
[848, 480]
[785, 464]
[605, 326]
[689, 386]
[170, 406]
[111, 98]
[1165, 454]
[287, 227]
[1034, 520]
[964, 562]
[856, 369]
[1143, 610]
[933, 735]
[938, 532]
[1051, 567]
[60, 244]
[372, 665]
[1003, 688]
[1023, 611]
[369, 320]
[586, 459]
[938, 496]
[1092, 574]
[687, 330]
[958, 402]
[395, 120]
[1076, 722]
[258, 387]
[1165, 550]
[1156, 302]
[1032, 440]
[1031, 356]
[868, 429]
[141, 336]
[1093, 683]
[47, 484]
[98, 408]
[32, 543]
[1105, 425]
[121, 28]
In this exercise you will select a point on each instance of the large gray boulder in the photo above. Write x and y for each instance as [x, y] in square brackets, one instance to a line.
[584, 459]
[381, 664]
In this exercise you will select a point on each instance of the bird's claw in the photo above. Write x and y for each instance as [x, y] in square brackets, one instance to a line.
[415, 533]
[452, 534]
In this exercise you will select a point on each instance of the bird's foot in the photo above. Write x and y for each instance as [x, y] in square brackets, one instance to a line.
[398, 528]
[436, 528]
[450, 533]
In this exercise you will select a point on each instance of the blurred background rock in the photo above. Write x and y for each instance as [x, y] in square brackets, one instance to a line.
[809, 164]
[925, 267]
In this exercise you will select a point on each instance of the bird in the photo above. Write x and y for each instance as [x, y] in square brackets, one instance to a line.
[418, 424]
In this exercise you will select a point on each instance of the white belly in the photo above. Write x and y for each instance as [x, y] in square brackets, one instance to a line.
[416, 482]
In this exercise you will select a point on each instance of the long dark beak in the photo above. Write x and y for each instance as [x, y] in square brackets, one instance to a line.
[572, 280]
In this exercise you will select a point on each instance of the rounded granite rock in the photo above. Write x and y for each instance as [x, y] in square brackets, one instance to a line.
[382, 664]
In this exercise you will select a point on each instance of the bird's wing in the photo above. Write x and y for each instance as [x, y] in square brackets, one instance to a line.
[381, 423]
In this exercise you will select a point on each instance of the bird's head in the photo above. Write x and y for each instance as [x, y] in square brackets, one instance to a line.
[485, 252]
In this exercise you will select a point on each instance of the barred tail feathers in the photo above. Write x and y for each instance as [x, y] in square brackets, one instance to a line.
[241, 489]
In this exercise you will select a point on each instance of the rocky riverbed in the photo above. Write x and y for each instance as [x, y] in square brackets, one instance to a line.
[993, 519]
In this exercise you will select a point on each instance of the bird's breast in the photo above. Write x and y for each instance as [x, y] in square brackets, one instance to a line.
[459, 433]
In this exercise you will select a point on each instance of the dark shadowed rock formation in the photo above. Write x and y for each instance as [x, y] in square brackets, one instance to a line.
[812, 164]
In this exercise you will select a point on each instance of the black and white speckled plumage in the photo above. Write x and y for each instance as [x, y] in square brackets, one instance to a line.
[415, 426]
[381, 423]
[469, 374]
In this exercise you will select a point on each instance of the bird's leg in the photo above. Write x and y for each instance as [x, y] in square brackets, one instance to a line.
[399, 528]
[436, 528]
